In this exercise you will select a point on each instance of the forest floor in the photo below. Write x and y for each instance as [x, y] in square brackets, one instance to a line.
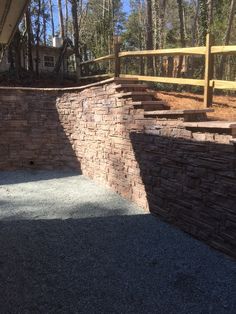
[224, 106]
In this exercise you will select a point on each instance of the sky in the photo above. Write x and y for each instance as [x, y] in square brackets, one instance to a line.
[126, 7]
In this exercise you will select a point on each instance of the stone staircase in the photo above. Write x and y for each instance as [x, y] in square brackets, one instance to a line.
[139, 94]
[141, 97]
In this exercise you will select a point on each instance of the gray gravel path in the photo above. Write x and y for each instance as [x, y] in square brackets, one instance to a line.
[68, 245]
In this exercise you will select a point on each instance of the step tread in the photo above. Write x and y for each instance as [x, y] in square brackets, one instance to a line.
[211, 124]
[120, 79]
[131, 86]
[148, 102]
[133, 93]
[178, 112]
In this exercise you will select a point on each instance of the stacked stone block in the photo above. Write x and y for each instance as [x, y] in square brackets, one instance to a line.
[186, 176]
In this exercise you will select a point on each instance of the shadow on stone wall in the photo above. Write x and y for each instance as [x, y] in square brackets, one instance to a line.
[34, 134]
[191, 184]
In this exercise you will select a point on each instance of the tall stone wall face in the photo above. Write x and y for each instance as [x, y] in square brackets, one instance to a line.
[31, 135]
[101, 139]
[187, 178]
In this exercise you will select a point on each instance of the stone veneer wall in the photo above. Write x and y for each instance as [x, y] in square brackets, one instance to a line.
[187, 178]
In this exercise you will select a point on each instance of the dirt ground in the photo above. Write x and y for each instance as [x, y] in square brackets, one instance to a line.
[224, 106]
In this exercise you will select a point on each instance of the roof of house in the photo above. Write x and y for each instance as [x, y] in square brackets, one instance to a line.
[11, 12]
[49, 49]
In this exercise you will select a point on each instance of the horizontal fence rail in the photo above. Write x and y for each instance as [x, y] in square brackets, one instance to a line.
[170, 80]
[108, 57]
[164, 52]
[208, 51]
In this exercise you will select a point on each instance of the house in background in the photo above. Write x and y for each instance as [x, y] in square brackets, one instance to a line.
[11, 13]
[49, 56]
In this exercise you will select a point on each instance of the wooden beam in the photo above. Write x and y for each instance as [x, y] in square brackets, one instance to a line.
[223, 49]
[220, 84]
[163, 52]
[108, 57]
[97, 76]
[208, 90]
[117, 59]
[169, 80]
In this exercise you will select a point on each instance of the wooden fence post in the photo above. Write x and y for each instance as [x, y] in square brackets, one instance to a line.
[117, 59]
[209, 64]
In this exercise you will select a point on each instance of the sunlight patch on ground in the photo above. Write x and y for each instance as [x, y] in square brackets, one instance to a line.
[52, 195]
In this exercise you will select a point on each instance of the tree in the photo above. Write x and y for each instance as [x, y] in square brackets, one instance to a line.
[62, 28]
[210, 14]
[182, 34]
[227, 35]
[74, 12]
[44, 17]
[61, 19]
[149, 38]
[203, 21]
[37, 34]
[29, 40]
[67, 18]
[52, 18]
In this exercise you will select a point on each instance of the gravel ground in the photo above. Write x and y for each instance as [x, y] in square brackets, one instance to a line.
[68, 245]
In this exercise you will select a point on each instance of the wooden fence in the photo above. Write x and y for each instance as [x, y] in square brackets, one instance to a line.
[209, 83]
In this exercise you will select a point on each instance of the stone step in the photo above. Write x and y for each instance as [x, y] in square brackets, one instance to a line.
[213, 126]
[120, 80]
[187, 115]
[131, 87]
[150, 105]
[138, 96]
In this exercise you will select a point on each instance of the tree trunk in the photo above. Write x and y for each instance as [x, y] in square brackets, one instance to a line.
[74, 9]
[17, 52]
[30, 64]
[38, 38]
[67, 19]
[194, 24]
[159, 10]
[210, 14]
[62, 33]
[52, 19]
[149, 39]
[162, 11]
[182, 35]
[203, 21]
[227, 36]
[44, 23]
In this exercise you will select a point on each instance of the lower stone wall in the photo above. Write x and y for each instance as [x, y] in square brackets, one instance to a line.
[189, 182]
[31, 134]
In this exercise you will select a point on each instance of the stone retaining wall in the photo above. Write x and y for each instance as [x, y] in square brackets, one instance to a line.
[187, 178]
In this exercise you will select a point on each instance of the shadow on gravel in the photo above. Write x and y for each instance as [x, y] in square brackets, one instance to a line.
[29, 211]
[119, 264]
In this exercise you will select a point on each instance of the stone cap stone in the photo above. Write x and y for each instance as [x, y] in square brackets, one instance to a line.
[178, 112]
[211, 124]
[64, 89]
